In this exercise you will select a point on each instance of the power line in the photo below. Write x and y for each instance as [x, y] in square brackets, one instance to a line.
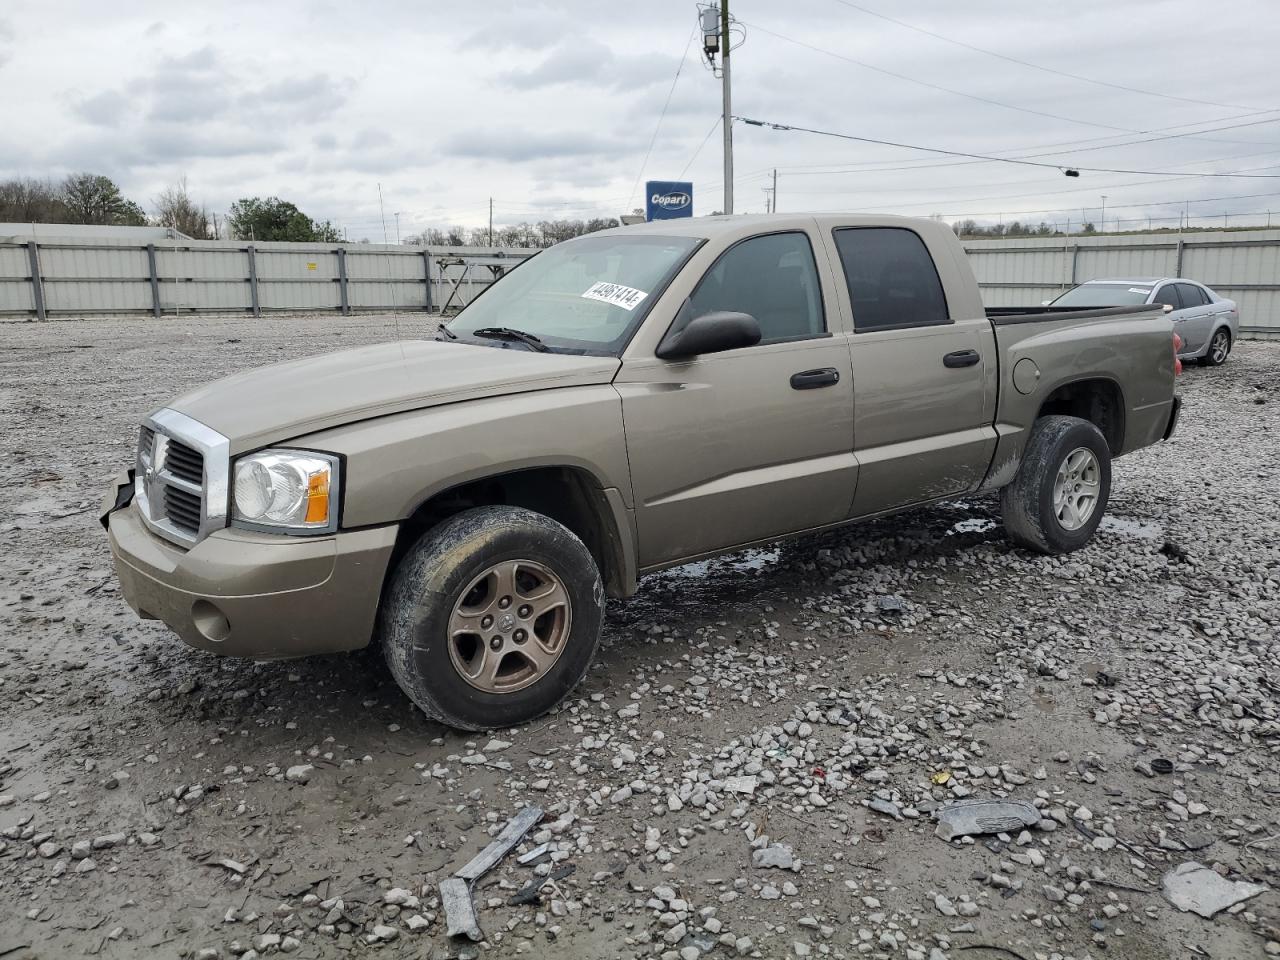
[975, 186]
[875, 166]
[934, 86]
[699, 150]
[666, 103]
[986, 158]
[1140, 204]
[1037, 66]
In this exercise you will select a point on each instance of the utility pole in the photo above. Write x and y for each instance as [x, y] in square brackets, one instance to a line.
[775, 190]
[727, 121]
[1104, 213]
[491, 221]
[397, 216]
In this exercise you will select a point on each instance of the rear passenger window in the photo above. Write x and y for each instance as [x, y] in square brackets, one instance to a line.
[891, 277]
[773, 278]
[1168, 295]
[1192, 296]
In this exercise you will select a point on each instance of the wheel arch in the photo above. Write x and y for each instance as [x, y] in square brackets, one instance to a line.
[1099, 400]
[570, 495]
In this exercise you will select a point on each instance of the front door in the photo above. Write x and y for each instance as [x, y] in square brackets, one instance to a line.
[748, 444]
[924, 383]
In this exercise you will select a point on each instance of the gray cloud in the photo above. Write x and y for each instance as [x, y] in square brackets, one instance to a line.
[550, 107]
[518, 145]
[520, 29]
[590, 63]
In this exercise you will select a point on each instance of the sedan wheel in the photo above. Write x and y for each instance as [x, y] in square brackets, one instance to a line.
[1219, 348]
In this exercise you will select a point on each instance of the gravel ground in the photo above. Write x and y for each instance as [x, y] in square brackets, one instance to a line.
[751, 768]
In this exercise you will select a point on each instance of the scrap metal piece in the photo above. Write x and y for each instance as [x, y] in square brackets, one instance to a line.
[967, 817]
[1193, 887]
[488, 858]
[459, 911]
[531, 892]
[534, 855]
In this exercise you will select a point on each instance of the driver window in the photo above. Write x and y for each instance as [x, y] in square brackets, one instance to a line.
[773, 278]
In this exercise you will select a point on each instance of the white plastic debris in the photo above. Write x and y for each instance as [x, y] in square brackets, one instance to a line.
[1193, 887]
[968, 817]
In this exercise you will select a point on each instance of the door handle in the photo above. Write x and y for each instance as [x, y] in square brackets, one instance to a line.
[812, 379]
[961, 358]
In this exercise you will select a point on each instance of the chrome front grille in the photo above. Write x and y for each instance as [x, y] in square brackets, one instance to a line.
[180, 482]
[185, 463]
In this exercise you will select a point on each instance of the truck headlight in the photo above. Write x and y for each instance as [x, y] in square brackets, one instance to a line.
[293, 491]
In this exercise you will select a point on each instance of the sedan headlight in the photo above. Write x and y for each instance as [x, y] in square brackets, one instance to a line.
[293, 491]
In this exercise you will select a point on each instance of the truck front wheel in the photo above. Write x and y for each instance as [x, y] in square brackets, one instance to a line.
[1059, 495]
[492, 617]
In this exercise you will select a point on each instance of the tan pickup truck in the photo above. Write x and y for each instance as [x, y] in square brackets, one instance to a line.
[622, 402]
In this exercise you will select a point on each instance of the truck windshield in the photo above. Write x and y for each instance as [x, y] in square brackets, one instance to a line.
[581, 296]
[1104, 295]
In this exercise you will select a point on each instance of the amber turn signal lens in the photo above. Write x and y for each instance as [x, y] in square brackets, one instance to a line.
[318, 498]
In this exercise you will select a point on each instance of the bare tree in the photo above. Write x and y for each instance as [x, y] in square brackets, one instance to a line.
[175, 208]
[27, 200]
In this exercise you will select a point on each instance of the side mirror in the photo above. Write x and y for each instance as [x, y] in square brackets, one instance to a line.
[710, 333]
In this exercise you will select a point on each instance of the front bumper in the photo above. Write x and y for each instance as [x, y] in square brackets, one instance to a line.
[247, 594]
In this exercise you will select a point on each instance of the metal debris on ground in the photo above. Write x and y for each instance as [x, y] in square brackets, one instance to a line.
[533, 856]
[455, 892]
[531, 891]
[486, 859]
[459, 911]
[1192, 887]
[968, 817]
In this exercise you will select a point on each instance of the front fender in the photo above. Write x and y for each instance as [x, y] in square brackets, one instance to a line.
[395, 463]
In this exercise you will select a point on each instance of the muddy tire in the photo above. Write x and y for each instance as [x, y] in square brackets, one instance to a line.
[1057, 500]
[492, 617]
[1218, 350]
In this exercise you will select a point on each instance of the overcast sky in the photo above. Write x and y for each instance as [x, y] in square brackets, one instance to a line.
[549, 108]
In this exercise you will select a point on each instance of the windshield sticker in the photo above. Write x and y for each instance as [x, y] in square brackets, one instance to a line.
[628, 298]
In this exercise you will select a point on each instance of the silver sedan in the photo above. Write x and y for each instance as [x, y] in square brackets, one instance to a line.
[1207, 323]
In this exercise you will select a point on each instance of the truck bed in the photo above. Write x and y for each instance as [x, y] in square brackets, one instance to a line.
[1003, 316]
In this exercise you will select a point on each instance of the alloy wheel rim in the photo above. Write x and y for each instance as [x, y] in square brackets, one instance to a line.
[1076, 488]
[509, 626]
[1219, 347]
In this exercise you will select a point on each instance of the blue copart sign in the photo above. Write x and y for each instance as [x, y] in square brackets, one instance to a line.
[668, 199]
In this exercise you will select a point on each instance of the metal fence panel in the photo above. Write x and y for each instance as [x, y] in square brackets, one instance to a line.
[87, 275]
[16, 297]
[1243, 265]
[298, 294]
[65, 296]
[398, 295]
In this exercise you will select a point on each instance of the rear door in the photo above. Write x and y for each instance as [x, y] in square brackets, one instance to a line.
[1198, 312]
[748, 444]
[1168, 295]
[923, 380]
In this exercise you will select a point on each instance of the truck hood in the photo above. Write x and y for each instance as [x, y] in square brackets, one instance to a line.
[275, 403]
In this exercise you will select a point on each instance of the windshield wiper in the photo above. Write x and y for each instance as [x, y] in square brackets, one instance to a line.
[508, 333]
[447, 332]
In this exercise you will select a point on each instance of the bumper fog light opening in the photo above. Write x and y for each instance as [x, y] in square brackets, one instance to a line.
[210, 621]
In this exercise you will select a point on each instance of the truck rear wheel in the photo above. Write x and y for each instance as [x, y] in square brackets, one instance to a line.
[492, 617]
[1059, 495]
